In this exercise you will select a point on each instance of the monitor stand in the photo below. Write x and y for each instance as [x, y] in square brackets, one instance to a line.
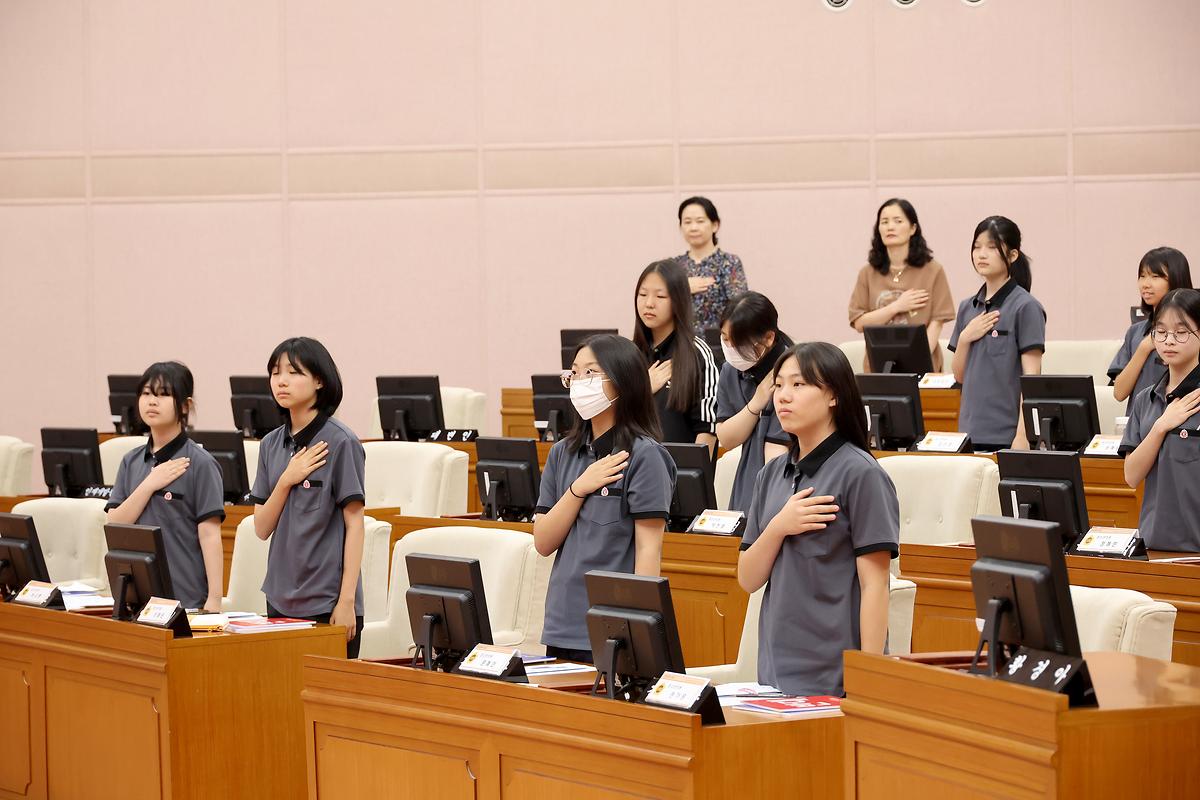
[996, 609]
[400, 426]
[606, 667]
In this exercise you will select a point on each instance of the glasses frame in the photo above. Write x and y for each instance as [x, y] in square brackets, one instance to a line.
[1174, 336]
[568, 377]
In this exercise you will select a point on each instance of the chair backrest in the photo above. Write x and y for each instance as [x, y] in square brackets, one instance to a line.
[251, 448]
[112, 451]
[1108, 408]
[727, 466]
[71, 532]
[1080, 357]
[247, 570]
[515, 578]
[940, 494]
[16, 462]
[1123, 620]
[422, 478]
[377, 536]
[462, 408]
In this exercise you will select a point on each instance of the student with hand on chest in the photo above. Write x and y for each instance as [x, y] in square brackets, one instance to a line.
[174, 484]
[309, 495]
[823, 527]
[999, 335]
[606, 489]
[1162, 440]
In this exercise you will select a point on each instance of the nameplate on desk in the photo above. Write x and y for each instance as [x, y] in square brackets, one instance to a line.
[1051, 672]
[937, 380]
[676, 690]
[159, 612]
[1102, 445]
[942, 442]
[723, 523]
[454, 435]
[488, 659]
[39, 594]
[1111, 542]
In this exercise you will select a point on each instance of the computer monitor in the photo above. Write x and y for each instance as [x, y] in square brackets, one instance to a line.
[898, 348]
[632, 629]
[1021, 589]
[123, 405]
[892, 402]
[21, 558]
[508, 477]
[694, 475]
[136, 563]
[553, 413]
[571, 338]
[1059, 411]
[255, 411]
[713, 337]
[410, 406]
[71, 461]
[229, 449]
[446, 608]
[1044, 485]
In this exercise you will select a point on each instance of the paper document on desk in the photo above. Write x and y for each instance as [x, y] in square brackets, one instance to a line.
[540, 670]
[76, 587]
[75, 602]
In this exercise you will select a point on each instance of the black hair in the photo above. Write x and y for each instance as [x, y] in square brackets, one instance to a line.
[172, 379]
[634, 413]
[710, 210]
[825, 365]
[1005, 234]
[1169, 263]
[685, 368]
[1185, 301]
[919, 253]
[751, 316]
[311, 356]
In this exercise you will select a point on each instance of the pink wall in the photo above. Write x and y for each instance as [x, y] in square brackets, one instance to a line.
[440, 187]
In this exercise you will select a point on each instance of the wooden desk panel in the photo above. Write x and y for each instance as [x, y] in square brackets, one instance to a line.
[710, 607]
[114, 709]
[944, 616]
[913, 730]
[408, 733]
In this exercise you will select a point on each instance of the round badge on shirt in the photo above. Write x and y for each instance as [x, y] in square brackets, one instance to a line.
[604, 492]
[167, 496]
[995, 334]
[1183, 434]
[307, 485]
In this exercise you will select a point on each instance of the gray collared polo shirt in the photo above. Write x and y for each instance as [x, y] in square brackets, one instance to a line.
[991, 387]
[1170, 517]
[1152, 369]
[304, 564]
[810, 608]
[195, 496]
[602, 536]
[734, 391]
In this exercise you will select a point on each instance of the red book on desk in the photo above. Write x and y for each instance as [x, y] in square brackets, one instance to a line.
[262, 624]
[792, 705]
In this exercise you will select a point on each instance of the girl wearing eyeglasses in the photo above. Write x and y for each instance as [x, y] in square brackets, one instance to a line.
[1136, 365]
[606, 489]
[1162, 439]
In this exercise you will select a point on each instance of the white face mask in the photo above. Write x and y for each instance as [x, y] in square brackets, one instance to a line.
[588, 398]
[735, 357]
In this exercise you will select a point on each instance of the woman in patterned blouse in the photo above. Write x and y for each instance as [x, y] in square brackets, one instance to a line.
[714, 276]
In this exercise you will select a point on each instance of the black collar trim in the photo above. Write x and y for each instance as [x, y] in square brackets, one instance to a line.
[816, 459]
[663, 351]
[1186, 386]
[304, 438]
[602, 445]
[167, 451]
[765, 364]
[997, 298]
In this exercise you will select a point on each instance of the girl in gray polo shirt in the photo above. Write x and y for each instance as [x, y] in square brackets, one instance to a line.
[823, 526]
[606, 488]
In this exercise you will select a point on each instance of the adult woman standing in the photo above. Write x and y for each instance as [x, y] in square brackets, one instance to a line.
[901, 284]
[714, 276]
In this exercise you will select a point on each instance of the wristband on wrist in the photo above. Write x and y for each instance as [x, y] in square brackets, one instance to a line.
[755, 413]
[571, 489]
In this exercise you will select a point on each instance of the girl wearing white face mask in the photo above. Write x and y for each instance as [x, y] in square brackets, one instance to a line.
[752, 341]
[606, 489]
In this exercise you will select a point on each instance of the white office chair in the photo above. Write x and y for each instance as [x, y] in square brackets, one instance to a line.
[251, 448]
[462, 408]
[71, 532]
[377, 536]
[1108, 408]
[421, 478]
[1124, 621]
[247, 570]
[902, 596]
[727, 466]
[16, 462]
[111, 453]
[1080, 357]
[515, 578]
[940, 494]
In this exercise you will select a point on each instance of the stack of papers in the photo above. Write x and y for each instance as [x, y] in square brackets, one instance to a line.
[257, 624]
[791, 705]
[730, 694]
[78, 595]
[541, 670]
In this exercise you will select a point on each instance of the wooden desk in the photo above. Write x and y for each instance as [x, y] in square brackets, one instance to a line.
[944, 616]
[97, 708]
[376, 730]
[913, 730]
[939, 408]
[710, 607]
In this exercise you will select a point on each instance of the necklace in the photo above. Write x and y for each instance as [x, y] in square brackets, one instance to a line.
[896, 277]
